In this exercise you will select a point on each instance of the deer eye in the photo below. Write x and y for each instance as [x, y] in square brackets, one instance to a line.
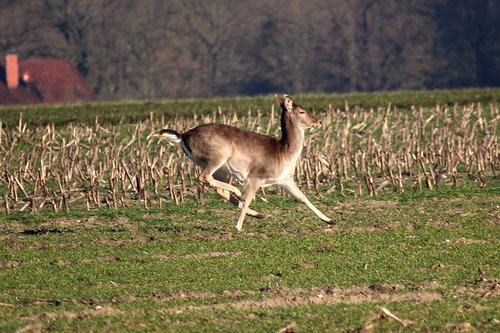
[301, 112]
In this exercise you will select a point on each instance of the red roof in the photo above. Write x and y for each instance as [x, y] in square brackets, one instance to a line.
[45, 81]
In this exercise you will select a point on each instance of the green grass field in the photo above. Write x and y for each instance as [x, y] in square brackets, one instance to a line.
[133, 111]
[430, 258]
[421, 260]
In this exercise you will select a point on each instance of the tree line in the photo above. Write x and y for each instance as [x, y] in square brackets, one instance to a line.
[187, 48]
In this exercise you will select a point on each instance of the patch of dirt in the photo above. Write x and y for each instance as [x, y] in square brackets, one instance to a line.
[33, 326]
[187, 295]
[35, 323]
[41, 302]
[183, 295]
[95, 221]
[105, 259]
[291, 328]
[118, 223]
[132, 239]
[368, 228]
[324, 248]
[385, 287]
[463, 327]
[42, 231]
[61, 262]
[427, 285]
[14, 227]
[483, 287]
[167, 297]
[275, 296]
[495, 220]
[443, 224]
[100, 311]
[10, 264]
[60, 223]
[442, 266]
[289, 297]
[463, 240]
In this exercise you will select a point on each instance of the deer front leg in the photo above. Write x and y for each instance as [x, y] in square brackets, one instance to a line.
[248, 197]
[291, 187]
[236, 202]
[222, 175]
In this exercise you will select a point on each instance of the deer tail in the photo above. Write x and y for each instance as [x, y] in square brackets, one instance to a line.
[172, 136]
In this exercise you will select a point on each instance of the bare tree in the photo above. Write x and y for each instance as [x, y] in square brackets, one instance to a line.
[187, 48]
[19, 27]
[469, 40]
[74, 20]
[386, 44]
[213, 33]
[293, 40]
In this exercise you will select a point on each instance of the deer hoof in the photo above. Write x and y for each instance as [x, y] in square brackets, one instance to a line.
[329, 221]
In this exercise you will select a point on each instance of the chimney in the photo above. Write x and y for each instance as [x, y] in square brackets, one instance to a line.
[12, 70]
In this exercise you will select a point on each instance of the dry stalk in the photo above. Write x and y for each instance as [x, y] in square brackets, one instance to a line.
[357, 149]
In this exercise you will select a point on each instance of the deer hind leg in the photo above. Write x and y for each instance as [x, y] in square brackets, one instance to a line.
[297, 193]
[222, 176]
[206, 176]
[236, 202]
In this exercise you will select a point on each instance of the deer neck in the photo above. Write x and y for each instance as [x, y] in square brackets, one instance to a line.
[292, 137]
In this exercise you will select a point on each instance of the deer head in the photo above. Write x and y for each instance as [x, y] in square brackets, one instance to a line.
[302, 118]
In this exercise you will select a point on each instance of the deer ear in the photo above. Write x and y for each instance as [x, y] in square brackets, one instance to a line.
[280, 99]
[288, 103]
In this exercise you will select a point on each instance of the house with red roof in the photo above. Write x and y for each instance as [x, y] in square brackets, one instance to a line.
[40, 80]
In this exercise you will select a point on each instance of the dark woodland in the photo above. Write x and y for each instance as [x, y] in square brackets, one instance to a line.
[186, 48]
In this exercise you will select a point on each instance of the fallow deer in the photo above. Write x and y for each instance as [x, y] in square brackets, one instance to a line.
[256, 160]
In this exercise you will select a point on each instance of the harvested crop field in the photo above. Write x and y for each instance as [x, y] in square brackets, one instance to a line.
[105, 228]
[423, 263]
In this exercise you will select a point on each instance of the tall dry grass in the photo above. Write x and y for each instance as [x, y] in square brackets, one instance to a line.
[356, 152]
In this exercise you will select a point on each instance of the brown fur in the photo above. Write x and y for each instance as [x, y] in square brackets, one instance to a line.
[256, 159]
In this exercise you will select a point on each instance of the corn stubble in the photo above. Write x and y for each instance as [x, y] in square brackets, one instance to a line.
[356, 152]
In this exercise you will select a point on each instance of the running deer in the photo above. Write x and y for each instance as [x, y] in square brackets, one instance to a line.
[256, 160]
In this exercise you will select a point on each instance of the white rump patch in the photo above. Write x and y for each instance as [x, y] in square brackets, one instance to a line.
[172, 138]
